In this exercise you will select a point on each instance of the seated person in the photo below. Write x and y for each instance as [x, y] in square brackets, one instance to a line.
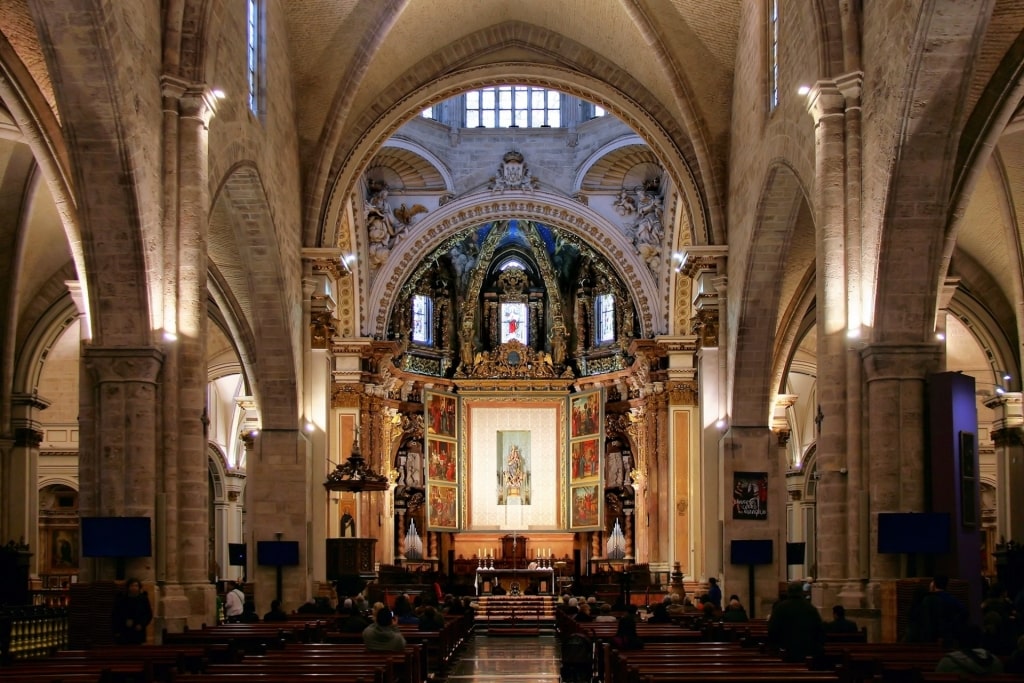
[431, 619]
[350, 619]
[248, 615]
[383, 635]
[839, 623]
[734, 611]
[275, 613]
[625, 637]
[497, 589]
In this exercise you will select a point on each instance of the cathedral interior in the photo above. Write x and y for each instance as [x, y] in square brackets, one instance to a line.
[625, 281]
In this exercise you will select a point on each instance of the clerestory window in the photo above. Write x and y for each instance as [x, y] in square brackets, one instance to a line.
[773, 54]
[254, 53]
[513, 106]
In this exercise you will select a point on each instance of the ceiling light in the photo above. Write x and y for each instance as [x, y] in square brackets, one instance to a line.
[803, 90]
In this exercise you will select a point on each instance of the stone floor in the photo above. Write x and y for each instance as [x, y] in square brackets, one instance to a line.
[505, 659]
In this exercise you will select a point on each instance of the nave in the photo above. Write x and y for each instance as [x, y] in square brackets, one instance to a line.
[507, 659]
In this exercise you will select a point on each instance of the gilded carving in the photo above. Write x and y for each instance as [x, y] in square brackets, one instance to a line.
[683, 393]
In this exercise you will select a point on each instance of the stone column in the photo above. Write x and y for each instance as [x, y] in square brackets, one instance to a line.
[20, 492]
[826, 104]
[1008, 434]
[186, 596]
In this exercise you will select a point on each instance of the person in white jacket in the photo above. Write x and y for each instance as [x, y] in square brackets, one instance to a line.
[234, 602]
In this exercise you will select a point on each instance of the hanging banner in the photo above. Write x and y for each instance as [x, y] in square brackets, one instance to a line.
[750, 495]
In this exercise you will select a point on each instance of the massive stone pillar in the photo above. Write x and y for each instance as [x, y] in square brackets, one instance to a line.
[186, 598]
[896, 404]
[118, 465]
[278, 508]
[750, 455]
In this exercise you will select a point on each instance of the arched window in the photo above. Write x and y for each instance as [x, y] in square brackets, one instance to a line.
[422, 319]
[604, 313]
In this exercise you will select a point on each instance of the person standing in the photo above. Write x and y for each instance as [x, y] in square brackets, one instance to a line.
[715, 594]
[795, 627]
[132, 614]
[234, 602]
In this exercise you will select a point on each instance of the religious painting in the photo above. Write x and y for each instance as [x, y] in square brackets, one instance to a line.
[441, 414]
[441, 460]
[585, 414]
[585, 503]
[63, 550]
[514, 323]
[442, 508]
[584, 460]
[750, 495]
[514, 473]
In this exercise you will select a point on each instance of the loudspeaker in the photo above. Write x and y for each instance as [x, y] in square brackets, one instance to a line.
[237, 554]
[795, 552]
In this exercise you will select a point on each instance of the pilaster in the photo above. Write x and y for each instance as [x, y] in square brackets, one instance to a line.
[20, 493]
[1008, 435]
[706, 265]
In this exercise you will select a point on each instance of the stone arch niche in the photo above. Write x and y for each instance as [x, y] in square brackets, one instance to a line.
[508, 292]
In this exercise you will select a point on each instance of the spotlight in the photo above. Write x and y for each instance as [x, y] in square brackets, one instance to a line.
[803, 90]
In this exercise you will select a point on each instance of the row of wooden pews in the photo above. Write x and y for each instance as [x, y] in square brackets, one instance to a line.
[695, 650]
[300, 650]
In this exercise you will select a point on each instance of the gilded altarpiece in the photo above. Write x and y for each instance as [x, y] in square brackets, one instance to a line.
[515, 462]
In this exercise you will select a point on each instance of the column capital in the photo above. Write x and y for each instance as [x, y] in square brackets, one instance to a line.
[851, 85]
[899, 361]
[198, 102]
[824, 101]
[1009, 411]
[697, 260]
[124, 364]
[780, 419]
[31, 401]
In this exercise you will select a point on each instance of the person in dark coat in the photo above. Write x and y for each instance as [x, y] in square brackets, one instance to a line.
[795, 627]
[839, 623]
[275, 613]
[715, 594]
[132, 614]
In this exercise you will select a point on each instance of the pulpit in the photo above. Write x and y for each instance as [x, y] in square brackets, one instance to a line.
[349, 557]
